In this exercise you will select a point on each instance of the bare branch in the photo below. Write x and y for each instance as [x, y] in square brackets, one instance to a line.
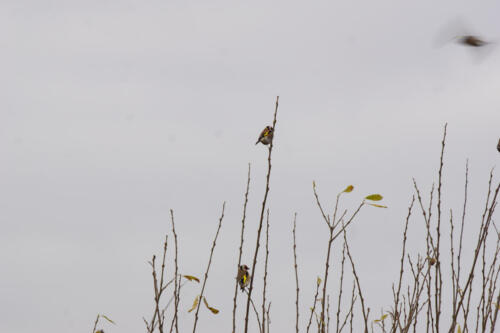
[265, 276]
[176, 276]
[208, 268]
[241, 247]
[296, 274]
[257, 245]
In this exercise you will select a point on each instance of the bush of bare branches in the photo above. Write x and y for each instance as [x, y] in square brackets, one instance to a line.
[420, 292]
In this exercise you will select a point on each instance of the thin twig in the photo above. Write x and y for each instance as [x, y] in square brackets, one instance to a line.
[208, 268]
[265, 275]
[395, 319]
[158, 316]
[176, 285]
[241, 248]
[264, 201]
[318, 282]
[438, 277]
[256, 312]
[95, 324]
[351, 311]
[452, 263]
[328, 314]
[296, 274]
[268, 317]
[366, 313]
[339, 301]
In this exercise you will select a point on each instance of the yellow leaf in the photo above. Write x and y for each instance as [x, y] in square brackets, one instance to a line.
[496, 304]
[379, 206]
[381, 318]
[348, 189]
[214, 310]
[318, 281]
[112, 322]
[374, 197]
[459, 330]
[195, 303]
[100, 331]
[192, 278]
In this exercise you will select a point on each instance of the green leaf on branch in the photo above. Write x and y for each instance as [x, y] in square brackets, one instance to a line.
[374, 197]
[192, 278]
[195, 303]
[348, 189]
[379, 206]
[213, 310]
[112, 322]
[381, 318]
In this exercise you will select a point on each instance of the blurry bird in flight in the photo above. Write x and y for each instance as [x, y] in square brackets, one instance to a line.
[470, 40]
[266, 136]
[243, 277]
[458, 31]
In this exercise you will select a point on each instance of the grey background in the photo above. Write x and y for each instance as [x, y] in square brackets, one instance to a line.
[113, 112]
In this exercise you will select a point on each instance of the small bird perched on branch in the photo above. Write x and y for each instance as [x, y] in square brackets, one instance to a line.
[498, 145]
[266, 136]
[243, 276]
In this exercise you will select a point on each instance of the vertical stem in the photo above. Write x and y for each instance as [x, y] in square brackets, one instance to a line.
[318, 282]
[396, 320]
[241, 248]
[341, 283]
[268, 317]
[356, 278]
[208, 268]
[438, 278]
[296, 274]
[265, 276]
[257, 245]
[176, 282]
[327, 268]
[95, 324]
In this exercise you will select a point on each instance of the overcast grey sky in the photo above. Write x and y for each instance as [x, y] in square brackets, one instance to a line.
[113, 112]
